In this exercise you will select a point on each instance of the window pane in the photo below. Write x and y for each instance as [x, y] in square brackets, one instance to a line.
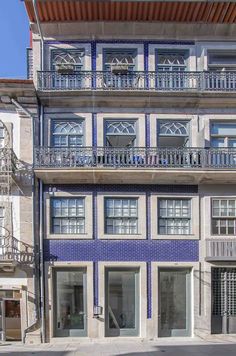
[223, 208]
[231, 227]
[218, 142]
[231, 208]
[68, 216]
[215, 227]
[67, 133]
[223, 227]
[226, 129]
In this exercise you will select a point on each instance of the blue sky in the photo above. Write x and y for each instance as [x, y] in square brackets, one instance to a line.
[14, 30]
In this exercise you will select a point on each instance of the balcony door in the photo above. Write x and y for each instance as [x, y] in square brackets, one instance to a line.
[223, 137]
[173, 141]
[223, 300]
[170, 67]
[122, 302]
[222, 66]
[118, 66]
[120, 138]
[174, 302]
[67, 64]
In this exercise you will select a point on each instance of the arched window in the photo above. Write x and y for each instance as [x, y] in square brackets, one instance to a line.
[119, 58]
[171, 62]
[173, 128]
[68, 58]
[172, 133]
[67, 133]
[120, 133]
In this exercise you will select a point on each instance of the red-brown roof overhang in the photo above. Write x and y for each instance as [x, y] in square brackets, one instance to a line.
[134, 10]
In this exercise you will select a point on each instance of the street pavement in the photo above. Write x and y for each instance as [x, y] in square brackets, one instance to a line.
[167, 347]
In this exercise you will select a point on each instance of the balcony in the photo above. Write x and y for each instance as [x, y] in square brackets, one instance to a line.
[14, 252]
[137, 89]
[140, 165]
[138, 81]
[221, 250]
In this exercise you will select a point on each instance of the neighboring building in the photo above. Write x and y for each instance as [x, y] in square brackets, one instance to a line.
[19, 292]
[136, 167]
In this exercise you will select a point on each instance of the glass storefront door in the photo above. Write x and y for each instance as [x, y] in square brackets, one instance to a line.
[70, 302]
[174, 302]
[122, 302]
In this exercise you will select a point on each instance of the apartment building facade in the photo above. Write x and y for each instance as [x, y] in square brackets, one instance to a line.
[18, 284]
[135, 162]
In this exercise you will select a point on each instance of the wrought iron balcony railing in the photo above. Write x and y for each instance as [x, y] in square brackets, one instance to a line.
[138, 157]
[221, 250]
[140, 81]
[14, 250]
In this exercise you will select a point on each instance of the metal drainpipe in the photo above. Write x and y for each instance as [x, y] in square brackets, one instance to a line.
[18, 106]
[42, 287]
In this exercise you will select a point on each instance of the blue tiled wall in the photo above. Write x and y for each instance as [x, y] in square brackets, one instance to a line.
[147, 250]
[121, 250]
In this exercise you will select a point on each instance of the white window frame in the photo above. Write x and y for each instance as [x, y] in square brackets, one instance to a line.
[67, 135]
[175, 217]
[227, 66]
[227, 218]
[120, 120]
[225, 137]
[88, 205]
[142, 233]
[172, 67]
[68, 51]
[126, 221]
[67, 217]
[107, 66]
[195, 222]
[174, 122]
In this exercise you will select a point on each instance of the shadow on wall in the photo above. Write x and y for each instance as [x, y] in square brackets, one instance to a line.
[34, 352]
[195, 350]
[175, 350]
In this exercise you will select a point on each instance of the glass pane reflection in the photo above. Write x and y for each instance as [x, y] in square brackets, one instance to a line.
[70, 300]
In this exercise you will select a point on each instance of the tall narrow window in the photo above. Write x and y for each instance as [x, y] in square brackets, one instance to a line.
[223, 216]
[67, 133]
[121, 216]
[174, 217]
[68, 215]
